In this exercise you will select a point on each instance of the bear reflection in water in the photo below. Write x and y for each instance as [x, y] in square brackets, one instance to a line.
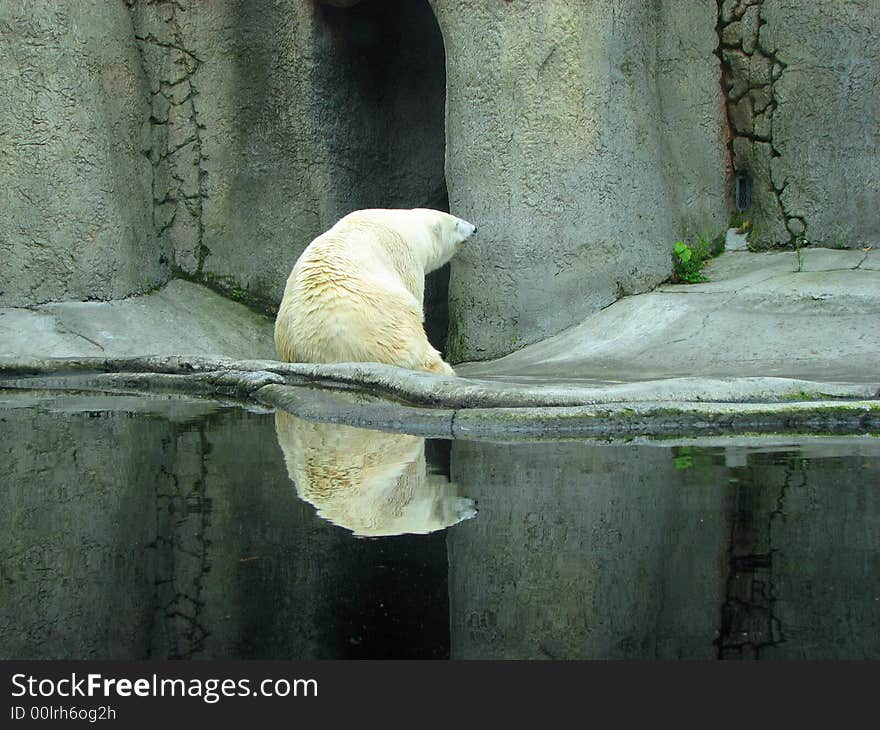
[372, 483]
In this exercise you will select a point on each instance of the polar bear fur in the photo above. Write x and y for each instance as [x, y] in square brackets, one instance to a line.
[369, 482]
[356, 292]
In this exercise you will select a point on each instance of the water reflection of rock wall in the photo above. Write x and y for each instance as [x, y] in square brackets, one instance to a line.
[173, 531]
[76, 513]
[804, 578]
[583, 551]
[130, 536]
[586, 551]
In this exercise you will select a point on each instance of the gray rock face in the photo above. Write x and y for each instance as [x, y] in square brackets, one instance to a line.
[582, 140]
[760, 314]
[74, 184]
[180, 317]
[270, 122]
[214, 140]
[803, 103]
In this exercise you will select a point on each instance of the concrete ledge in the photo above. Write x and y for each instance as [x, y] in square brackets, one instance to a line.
[424, 389]
[179, 317]
[392, 399]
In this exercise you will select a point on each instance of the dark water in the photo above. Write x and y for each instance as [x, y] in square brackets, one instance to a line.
[149, 529]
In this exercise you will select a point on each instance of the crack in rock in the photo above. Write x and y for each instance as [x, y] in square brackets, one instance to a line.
[176, 147]
[750, 71]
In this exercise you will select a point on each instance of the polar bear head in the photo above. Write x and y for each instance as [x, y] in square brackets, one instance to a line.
[446, 235]
[432, 235]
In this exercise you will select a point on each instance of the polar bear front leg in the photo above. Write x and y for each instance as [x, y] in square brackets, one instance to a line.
[398, 323]
[437, 365]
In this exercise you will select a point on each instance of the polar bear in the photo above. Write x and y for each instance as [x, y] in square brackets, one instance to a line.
[356, 292]
[372, 483]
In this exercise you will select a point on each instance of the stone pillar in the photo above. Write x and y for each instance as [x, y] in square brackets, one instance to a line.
[577, 133]
[75, 190]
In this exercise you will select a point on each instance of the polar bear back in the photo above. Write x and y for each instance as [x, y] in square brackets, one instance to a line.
[364, 252]
[355, 294]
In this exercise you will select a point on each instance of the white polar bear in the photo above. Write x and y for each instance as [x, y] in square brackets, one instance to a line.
[369, 482]
[356, 292]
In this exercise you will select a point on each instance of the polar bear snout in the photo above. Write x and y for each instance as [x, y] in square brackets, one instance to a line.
[465, 229]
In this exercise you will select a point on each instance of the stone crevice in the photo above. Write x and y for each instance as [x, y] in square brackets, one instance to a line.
[176, 145]
[750, 72]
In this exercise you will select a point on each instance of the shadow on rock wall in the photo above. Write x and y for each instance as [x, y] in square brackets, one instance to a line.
[271, 122]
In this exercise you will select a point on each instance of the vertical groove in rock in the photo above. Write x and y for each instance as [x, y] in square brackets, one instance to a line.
[176, 149]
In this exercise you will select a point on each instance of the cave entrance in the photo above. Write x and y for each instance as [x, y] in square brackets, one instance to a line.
[387, 67]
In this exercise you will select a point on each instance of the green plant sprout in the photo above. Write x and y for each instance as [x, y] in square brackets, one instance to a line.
[688, 261]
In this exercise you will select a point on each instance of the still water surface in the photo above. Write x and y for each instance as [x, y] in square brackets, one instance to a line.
[133, 528]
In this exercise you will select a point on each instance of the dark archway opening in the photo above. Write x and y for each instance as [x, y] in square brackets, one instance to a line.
[387, 63]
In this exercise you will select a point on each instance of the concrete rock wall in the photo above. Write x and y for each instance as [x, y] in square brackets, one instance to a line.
[581, 153]
[272, 121]
[803, 102]
[74, 185]
[213, 140]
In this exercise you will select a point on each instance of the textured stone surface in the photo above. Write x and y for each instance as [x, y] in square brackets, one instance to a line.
[757, 316]
[181, 317]
[143, 139]
[583, 138]
[803, 106]
[272, 121]
[74, 184]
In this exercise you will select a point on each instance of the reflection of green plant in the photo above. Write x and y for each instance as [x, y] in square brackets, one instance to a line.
[691, 457]
[683, 461]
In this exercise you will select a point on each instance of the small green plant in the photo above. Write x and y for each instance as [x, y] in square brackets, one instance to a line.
[687, 261]
[739, 221]
[754, 236]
